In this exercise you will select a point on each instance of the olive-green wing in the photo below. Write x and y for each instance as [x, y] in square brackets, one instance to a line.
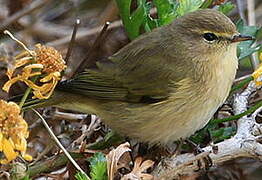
[139, 71]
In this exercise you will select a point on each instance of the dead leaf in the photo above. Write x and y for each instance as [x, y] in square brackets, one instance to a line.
[138, 171]
[113, 159]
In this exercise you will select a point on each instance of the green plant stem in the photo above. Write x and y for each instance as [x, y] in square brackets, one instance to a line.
[50, 164]
[249, 111]
[241, 84]
[27, 92]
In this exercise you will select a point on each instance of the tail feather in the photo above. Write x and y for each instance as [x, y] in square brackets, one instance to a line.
[32, 103]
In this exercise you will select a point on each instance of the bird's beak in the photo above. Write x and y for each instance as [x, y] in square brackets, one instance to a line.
[239, 38]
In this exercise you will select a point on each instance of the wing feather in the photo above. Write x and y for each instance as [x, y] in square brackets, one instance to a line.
[132, 73]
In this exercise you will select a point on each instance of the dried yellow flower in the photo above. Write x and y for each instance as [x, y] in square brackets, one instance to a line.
[44, 61]
[50, 58]
[13, 132]
[258, 72]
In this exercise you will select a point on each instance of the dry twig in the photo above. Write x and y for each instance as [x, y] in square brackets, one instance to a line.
[35, 5]
[87, 132]
[59, 144]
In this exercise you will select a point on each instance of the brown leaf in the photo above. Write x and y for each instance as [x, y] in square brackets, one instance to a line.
[113, 159]
[138, 170]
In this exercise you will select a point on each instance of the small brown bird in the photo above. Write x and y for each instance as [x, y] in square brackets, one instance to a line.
[164, 85]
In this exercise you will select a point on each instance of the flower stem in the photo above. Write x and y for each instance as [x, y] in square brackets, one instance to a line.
[241, 84]
[231, 118]
[27, 92]
[60, 145]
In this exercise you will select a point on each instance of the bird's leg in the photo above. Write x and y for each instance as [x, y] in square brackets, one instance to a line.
[130, 152]
[196, 147]
[197, 150]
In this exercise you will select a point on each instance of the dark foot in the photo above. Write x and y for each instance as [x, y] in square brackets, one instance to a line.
[206, 160]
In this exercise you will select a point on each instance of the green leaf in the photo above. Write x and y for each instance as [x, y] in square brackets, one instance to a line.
[214, 132]
[206, 4]
[259, 34]
[26, 178]
[136, 20]
[246, 48]
[226, 8]
[168, 10]
[81, 176]
[140, 19]
[132, 22]
[98, 166]
[124, 9]
[149, 23]
[200, 136]
[186, 6]
[222, 133]
[165, 10]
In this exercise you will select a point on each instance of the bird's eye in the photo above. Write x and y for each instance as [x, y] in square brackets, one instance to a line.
[210, 37]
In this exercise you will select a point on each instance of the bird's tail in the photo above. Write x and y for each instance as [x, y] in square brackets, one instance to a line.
[34, 103]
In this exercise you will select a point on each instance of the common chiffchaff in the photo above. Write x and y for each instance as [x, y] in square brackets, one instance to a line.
[164, 85]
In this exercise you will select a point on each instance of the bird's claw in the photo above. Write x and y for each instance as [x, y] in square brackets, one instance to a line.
[205, 162]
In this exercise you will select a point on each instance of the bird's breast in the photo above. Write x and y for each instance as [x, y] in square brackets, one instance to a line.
[223, 74]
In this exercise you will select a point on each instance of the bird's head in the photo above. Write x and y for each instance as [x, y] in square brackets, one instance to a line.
[207, 32]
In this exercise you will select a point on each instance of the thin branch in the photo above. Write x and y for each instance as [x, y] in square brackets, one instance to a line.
[47, 149]
[83, 34]
[69, 116]
[29, 9]
[51, 163]
[48, 30]
[242, 78]
[59, 144]
[87, 132]
[240, 8]
[72, 41]
[251, 18]
[256, 112]
[89, 59]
